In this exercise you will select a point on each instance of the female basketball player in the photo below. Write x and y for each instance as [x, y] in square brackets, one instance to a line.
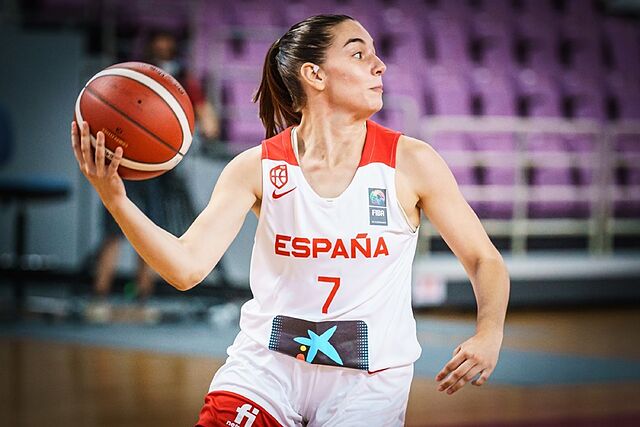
[329, 338]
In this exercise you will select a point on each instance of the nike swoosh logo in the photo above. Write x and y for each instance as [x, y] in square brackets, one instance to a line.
[277, 196]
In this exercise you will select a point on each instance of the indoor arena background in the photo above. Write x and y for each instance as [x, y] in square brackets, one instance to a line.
[535, 106]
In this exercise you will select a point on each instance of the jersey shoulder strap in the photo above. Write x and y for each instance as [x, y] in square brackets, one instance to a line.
[380, 145]
[278, 147]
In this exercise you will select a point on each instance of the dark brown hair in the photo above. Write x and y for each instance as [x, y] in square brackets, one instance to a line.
[280, 94]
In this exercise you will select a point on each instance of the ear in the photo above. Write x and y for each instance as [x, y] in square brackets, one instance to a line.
[312, 75]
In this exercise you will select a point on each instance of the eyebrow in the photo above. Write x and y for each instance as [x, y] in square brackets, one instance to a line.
[355, 40]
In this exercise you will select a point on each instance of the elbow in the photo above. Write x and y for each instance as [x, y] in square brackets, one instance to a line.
[195, 280]
[494, 259]
[187, 281]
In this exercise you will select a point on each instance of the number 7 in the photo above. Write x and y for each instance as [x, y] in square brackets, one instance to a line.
[336, 285]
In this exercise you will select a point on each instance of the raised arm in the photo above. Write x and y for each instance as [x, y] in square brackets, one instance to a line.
[186, 261]
[439, 197]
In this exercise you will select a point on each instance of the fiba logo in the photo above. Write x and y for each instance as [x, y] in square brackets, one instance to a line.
[247, 412]
[279, 176]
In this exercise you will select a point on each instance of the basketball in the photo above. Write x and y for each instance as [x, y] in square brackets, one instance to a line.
[144, 110]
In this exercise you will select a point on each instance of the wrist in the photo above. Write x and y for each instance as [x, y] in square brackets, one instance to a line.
[486, 328]
[113, 202]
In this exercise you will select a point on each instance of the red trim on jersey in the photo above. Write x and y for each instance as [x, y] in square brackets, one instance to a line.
[379, 146]
[221, 407]
[279, 147]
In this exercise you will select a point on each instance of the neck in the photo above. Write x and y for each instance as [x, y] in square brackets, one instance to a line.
[330, 139]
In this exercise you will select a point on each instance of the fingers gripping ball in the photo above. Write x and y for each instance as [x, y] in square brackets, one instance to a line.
[142, 109]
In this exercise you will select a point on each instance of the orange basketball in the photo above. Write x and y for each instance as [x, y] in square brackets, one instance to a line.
[142, 109]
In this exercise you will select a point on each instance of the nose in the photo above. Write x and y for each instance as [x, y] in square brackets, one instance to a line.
[379, 67]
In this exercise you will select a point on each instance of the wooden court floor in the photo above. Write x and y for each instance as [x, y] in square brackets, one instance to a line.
[57, 384]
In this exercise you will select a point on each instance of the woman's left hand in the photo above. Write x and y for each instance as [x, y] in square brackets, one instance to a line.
[477, 355]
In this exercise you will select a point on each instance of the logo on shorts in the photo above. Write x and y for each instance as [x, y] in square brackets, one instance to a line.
[377, 206]
[247, 412]
[279, 176]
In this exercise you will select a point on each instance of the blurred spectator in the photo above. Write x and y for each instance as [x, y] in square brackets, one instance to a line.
[162, 51]
[166, 199]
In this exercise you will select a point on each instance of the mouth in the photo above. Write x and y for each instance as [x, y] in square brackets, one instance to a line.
[377, 89]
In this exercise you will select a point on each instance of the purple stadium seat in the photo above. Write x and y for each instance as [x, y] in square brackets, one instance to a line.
[447, 91]
[541, 174]
[492, 42]
[402, 47]
[546, 143]
[537, 18]
[623, 37]
[296, 11]
[245, 51]
[580, 14]
[538, 52]
[255, 13]
[537, 32]
[487, 145]
[536, 10]
[496, 91]
[360, 10]
[625, 93]
[491, 142]
[451, 147]
[399, 39]
[165, 14]
[391, 117]
[397, 19]
[499, 10]
[450, 40]
[627, 144]
[627, 176]
[581, 143]
[244, 128]
[585, 94]
[581, 47]
[583, 172]
[398, 81]
[459, 9]
[539, 92]
[584, 56]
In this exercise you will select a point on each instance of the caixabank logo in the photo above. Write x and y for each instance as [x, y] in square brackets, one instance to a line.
[378, 206]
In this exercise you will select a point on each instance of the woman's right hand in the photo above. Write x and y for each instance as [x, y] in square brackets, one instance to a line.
[104, 178]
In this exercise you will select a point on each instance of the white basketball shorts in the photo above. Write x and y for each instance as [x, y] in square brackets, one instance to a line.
[297, 393]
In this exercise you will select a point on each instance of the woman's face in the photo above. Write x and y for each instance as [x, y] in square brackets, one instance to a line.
[352, 71]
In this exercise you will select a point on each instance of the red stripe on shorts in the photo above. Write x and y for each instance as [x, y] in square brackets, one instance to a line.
[228, 409]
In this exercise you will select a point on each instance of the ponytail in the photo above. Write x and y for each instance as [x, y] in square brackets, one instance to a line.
[277, 110]
[281, 96]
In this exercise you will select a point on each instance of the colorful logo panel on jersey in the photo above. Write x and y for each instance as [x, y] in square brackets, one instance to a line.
[378, 197]
[338, 343]
[377, 206]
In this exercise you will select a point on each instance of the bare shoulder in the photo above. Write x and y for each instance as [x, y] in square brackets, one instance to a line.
[412, 150]
[420, 164]
[246, 170]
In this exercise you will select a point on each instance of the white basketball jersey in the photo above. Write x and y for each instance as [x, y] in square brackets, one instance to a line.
[348, 258]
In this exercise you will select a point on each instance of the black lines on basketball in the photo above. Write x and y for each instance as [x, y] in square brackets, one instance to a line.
[96, 95]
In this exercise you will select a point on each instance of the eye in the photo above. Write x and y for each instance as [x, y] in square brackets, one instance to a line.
[358, 53]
